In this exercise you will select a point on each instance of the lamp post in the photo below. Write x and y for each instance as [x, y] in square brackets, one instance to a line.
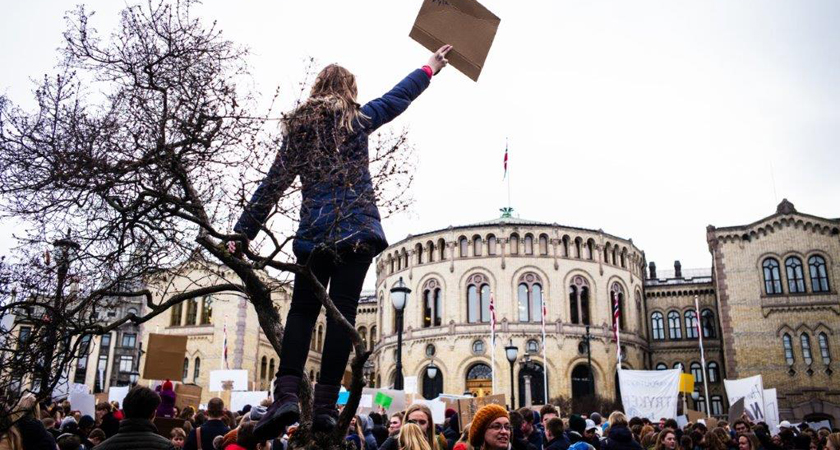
[368, 372]
[588, 340]
[512, 352]
[399, 298]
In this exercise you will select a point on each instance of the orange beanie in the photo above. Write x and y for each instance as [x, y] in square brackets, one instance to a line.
[483, 418]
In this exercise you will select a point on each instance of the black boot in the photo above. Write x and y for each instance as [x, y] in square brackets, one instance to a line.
[324, 412]
[283, 412]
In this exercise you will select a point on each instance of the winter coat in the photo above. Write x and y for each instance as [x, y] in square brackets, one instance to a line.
[110, 424]
[209, 431]
[620, 438]
[139, 434]
[167, 404]
[34, 435]
[559, 443]
[390, 444]
[338, 207]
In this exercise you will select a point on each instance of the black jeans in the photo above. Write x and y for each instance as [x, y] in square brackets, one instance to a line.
[345, 277]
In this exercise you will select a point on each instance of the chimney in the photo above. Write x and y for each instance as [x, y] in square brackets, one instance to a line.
[677, 269]
[652, 267]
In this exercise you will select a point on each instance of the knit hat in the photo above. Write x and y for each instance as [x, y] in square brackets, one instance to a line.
[167, 385]
[577, 423]
[449, 413]
[482, 419]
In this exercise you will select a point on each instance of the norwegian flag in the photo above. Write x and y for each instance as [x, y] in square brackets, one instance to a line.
[616, 315]
[544, 314]
[493, 319]
[225, 347]
[506, 160]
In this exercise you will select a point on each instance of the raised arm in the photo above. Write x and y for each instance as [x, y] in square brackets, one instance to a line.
[392, 104]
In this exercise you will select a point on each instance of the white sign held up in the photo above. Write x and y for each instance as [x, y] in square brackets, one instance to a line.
[650, 393]
[751, 389]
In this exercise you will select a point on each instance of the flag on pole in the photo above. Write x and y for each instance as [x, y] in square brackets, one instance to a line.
[225, 346]
[493, 341]
[616, 316]
[506, 160]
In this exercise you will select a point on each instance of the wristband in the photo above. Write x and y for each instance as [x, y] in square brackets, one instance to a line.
[428, 71]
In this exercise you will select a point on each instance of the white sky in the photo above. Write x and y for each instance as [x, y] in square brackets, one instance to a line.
[648, 119]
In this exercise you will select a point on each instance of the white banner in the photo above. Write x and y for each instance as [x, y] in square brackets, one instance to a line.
[238, 400]
[752, 391]
[238, 380]
[117, 394]
[771, 408]
[650, 393]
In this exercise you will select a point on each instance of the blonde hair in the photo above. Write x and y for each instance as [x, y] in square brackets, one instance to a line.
[412, 438]
[334, 90]
[617, 418]
[430, 429]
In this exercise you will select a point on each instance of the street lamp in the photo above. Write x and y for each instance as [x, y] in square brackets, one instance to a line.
[511, 352]
[588, 340]
[432, 370]
[368, 372]
[399, 298]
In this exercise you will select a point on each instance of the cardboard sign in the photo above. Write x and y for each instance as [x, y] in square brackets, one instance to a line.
[166, 424]
[165, 357]
[469, 406]
[187, 395]
[694, 416]
[228, 380]
[465, 24]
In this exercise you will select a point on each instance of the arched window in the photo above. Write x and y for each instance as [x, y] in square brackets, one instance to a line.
[514, 244]
[714, 372]
[363, 334]
[314, 340]
[819, 276]
[263, 369]
[373, 338]
[491, 245]
[432, 387]
[787, 342]
[399, 262]
[476, 245]
[175, 318]
[196, 369]
[206, 310]
[607, 253]
[463, 247]
[405, 258]
[691, 324]
[615, 256]
[430, 250]
[391, 263]
[806, 349]
[529, 244]
[826, 355]
[674, 327]
[717, 405]
[320, 338]
[795, 277]
[441, 245]
[566, 246]
[479, 379]
[590, 249]
[418, 254]
[579, 300]
[661, 366]
[657, 326]
[478, 347]
[271, 367]
[530, 298]
[697, 371]
[192, 311]
[617, 302]
[543, 244]
[432, 304]
[624, 258]
[700, 404]
[707, 323]
[186, 373]
[478, 299]
[772, 280]
[679, 365]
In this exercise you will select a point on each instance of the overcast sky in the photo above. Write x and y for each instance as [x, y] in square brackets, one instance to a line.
[647, 119]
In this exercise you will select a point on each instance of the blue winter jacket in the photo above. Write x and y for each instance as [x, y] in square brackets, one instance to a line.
[338, 209]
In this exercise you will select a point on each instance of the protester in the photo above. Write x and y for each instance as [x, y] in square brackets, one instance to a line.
[395, 423]
[452, 431]
[667, 440]
[96, 437]
[246, 440]
[491, 428]
[529, 431]
[26, 416]
[354, 433]
[380, 431]
[105, 419]
[619, 436]
[464, 441]
[748, 441]
[547, 412]
[177, 436]
[517, 438]
[167, 400]
[725, 438]
[214, 426]
[137, 431]
[328, 130]
[556, 438]
[367, 432]
[577, 428]
[590, 434]
[412, 437]
[69, 441]
[10, 439]
[712, 441]
[741, 426]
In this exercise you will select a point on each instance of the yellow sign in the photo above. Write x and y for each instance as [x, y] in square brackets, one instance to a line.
[687, 383]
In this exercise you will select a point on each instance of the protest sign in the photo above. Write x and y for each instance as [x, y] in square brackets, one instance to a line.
[366, 401]
[165, 357]
[736, 410]
[187, 395]
[694, 416]
[467, 407]
[396, 403]
[344, 397]
[410, 384]
[650, 393]
[686, 383]
[239, 399]
[83, 402]
[465, 24]
[752, 391]
[771, 408]
[165, 425]
[228, 380]
[117, 393]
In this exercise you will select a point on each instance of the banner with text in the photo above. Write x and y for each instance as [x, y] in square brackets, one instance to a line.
[752, 391]
[650, 393]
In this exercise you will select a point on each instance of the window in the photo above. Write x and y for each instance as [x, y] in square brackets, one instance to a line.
[530, 298]
[430, 250]
[795, 278]
[788, 346]
[391, 264]
[196, 369]
[674, 326]
[697, 371]
[207, 310]
[192, 311]
[679, 365]
[372, 338]
[476, 245]
[441, 249]
[514, 244]
[363, 334]
[263, 371]
[175, 318]
[772, 280]
[543, 245]
[105, 344]
[661, 366]
[657, 326]
[819, 277]
[826, 355]
[478, 299]
[405, 258]
[617, 297]
[491, 245]
[418, 253]
[23, 336]
[707, 323]
[714, 372]
[532, 347]
[320, 343]
[529, 244]
[430, 350]
[464, 247]
[607, 252]
[126, 363]
[717, 405]
[691, 324]
[700, 404]
[271, 367]
[478, 347]
[806, 348]
[565, 246]
[590, 249]
[186, 372]
[579, 300]
[129, 340]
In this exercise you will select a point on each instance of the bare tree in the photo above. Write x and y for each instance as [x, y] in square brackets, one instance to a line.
[138, 156]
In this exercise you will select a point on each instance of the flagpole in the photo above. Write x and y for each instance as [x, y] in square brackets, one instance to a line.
[224, 345]
[702, 353]
[616, 313]
[493, 342]
[545, 360]
[506, 171]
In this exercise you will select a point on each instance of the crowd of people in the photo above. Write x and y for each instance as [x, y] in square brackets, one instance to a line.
[493, 427]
